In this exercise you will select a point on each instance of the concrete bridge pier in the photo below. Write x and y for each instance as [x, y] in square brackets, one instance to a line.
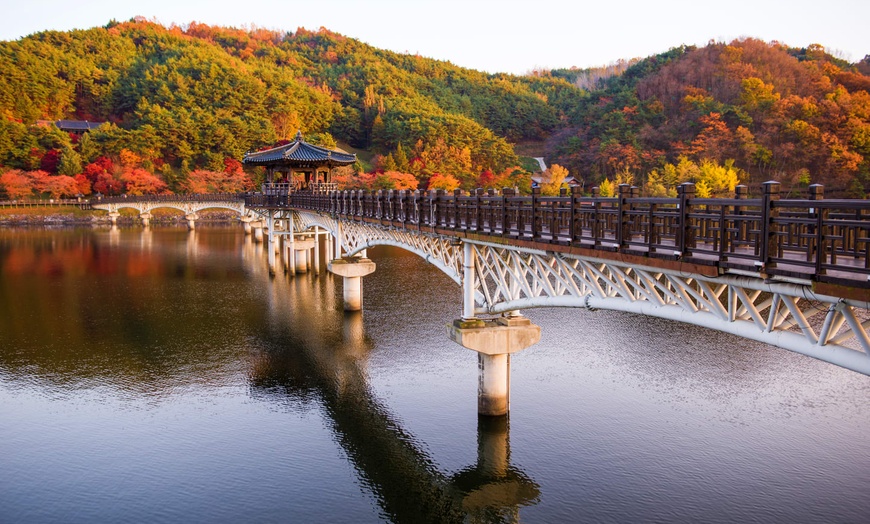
[352, 269]
[246, 224]
[494, 341]
[301, 250]
[146, 218]
[191, 220]
[257, 227]
[113, 216]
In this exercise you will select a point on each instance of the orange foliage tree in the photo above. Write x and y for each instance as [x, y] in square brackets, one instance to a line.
[61, 185]
[445, 182]
[202, 181]
[141, 182]
[16, 184]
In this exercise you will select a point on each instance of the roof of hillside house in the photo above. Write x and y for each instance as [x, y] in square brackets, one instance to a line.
[300, 153]
[77, 125]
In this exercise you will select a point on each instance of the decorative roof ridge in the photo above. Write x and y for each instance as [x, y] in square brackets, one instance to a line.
[293, 147]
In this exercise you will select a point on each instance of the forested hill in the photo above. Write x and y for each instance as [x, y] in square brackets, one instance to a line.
[187, 99]
[184, 104]
[759, 111]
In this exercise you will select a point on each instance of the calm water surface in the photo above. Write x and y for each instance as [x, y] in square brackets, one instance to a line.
[163, 376]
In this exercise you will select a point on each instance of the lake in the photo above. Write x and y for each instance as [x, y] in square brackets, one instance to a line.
[162, 375]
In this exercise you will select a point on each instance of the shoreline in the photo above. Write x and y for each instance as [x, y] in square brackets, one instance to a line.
[15, 217]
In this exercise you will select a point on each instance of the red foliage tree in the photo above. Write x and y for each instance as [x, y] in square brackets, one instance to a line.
[50, 161]
[107, 184]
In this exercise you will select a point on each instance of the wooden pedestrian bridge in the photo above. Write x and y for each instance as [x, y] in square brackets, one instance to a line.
[792, 273]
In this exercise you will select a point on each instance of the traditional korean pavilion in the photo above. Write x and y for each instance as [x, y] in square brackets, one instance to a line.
[299, 166]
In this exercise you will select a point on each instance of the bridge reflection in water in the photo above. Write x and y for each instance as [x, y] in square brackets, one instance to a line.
[324, 362]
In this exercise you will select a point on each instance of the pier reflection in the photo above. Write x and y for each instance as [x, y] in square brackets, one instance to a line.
[317, 356]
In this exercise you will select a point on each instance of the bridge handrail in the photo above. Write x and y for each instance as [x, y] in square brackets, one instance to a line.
[188, 197]
[826, 240]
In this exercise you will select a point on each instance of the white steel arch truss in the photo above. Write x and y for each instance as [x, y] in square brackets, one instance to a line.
[443, 252]
[510, 278]
[785, 315]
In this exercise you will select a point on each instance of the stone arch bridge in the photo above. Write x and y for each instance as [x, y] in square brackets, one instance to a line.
[190, 205]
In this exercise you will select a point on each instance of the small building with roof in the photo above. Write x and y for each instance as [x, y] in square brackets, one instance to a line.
[71, 126]
[298, 166]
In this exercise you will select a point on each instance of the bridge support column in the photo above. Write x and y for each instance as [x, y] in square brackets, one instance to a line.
[301, 248]
[246, 224]
[191, 220]
[352, 269]
[316, 250]
[258, 230]
[494, 342]
[113, 216]
[146, 218]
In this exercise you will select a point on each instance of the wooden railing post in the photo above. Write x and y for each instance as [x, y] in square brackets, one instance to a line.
[457, 218]
[623, 231]
[478, 210]
[685, 233]
[574, 206]
[536, 219]
[769, 238]
[506, 193]
[596, 216]
[818, 247]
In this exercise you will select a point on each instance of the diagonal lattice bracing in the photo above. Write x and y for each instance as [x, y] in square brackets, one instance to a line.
[509, 278]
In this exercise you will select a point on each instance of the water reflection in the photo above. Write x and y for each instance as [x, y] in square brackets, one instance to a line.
[124, 308]
[317, 355]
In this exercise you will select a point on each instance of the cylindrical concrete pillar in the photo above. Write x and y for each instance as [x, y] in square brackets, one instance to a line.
[316, 251]
[493, 389]
[352, 293]
[258, 233]
[146, 219]
[301, 260]
[271, 255]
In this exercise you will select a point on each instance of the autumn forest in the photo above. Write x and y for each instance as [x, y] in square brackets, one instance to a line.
[179, 106]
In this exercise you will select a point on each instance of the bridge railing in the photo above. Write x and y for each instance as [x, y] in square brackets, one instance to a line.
[191, 197]
[815, 238]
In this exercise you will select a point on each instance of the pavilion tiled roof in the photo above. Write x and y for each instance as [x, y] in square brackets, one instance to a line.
[300, 153]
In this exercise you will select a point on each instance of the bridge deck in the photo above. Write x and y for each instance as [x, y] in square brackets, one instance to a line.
[820, 241]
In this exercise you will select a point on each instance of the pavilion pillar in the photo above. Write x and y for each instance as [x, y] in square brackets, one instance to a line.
[352, 269]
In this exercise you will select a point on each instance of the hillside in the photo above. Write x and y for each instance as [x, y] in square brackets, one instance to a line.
[186, 99]
[799, 116]
[182, 105]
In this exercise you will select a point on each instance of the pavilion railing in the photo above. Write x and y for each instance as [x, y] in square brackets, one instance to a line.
[827, 240]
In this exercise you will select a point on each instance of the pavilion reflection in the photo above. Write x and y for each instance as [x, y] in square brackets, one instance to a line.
[323, 363]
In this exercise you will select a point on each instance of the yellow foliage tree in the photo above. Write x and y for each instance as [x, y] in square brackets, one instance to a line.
[606, 188]
[555, 177]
